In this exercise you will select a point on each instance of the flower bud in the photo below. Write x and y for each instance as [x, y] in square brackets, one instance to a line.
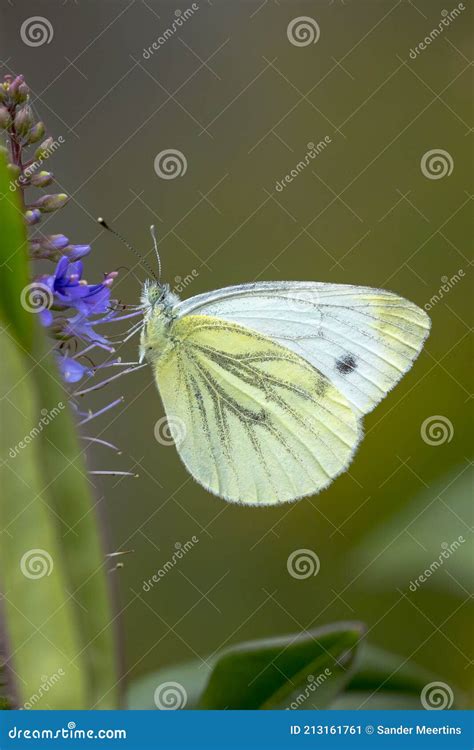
[48, 203]
[14, 171]
[3, 94]
[54, 242]
[41, 179]
[32, 216]
[14, 88]
[23, 120]
[45, 146]
[5, 119]
[36, 132]
[75, 252]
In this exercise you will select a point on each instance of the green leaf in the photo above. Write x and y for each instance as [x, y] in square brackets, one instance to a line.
[62, 620]
[305, 670]
[378, 669]
[13, 269]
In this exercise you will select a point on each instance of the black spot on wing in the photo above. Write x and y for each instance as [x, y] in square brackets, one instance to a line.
[346, 364]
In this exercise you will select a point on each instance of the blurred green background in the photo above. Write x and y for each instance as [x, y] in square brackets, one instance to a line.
[241, 103]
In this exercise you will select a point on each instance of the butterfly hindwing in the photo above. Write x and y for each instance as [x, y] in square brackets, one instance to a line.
[362, 339]
[254, 422]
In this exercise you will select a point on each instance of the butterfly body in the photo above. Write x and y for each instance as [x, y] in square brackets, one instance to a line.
[264, 385]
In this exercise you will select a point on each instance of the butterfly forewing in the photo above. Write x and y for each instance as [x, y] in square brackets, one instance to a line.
[362, 339]
[261, 424]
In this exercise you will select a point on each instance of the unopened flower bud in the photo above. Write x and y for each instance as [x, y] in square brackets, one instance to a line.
[48, 203]
[36, 133]
[44, 148]
[14, 171]
[54, 242]
[14, 88]
[75, 252]
[5, 119]
[32, 216]
[41, 179]
[23, 120]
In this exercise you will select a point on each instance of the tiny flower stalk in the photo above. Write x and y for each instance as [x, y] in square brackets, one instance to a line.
[69, 307]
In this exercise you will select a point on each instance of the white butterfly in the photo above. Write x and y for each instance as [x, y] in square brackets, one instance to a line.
[264, 385]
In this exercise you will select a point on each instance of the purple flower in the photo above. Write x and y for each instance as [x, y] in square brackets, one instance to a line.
[71, 290]
[71, 370]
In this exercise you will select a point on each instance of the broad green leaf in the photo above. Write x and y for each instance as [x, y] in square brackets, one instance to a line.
[58, 506]
[305, 670]
[431, 541]
[40, 618]
[13, 269]
[378, 669]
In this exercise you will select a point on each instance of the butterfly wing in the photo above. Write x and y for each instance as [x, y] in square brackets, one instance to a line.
[362, 339]
[253, 422]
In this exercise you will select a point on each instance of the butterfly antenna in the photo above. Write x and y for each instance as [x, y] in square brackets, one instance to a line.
[127, 244]
[155, 245]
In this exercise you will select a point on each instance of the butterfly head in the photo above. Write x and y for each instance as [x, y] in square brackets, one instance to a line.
[158, 303]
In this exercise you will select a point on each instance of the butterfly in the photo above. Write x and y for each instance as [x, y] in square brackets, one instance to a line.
[265, 384]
